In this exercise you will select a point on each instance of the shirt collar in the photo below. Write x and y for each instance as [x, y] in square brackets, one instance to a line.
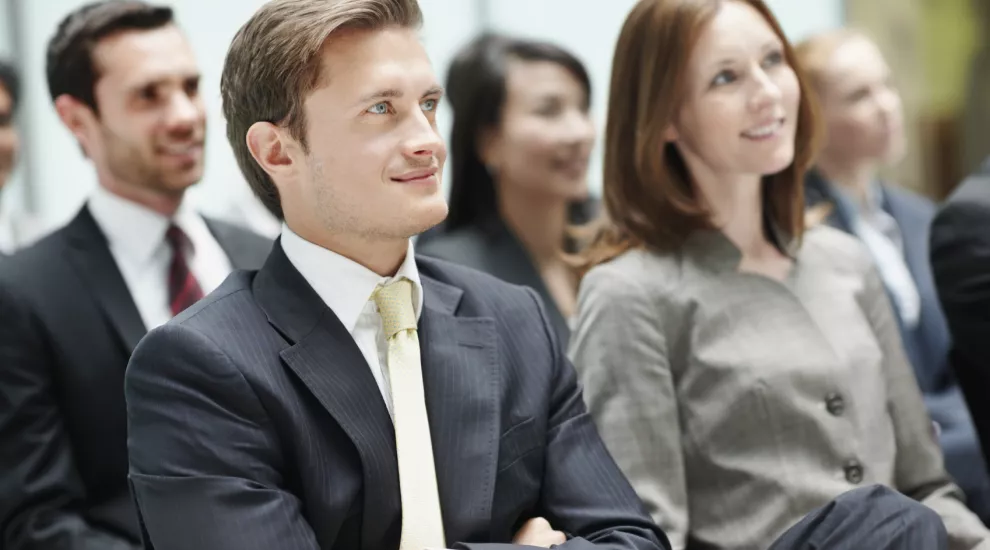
[135, 230]
[344, 285]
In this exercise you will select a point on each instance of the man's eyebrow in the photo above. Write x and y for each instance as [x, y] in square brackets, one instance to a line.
[393, 93]
[390, 93]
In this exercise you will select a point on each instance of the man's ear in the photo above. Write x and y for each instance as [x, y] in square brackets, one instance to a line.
[78, 117]
[270, 146]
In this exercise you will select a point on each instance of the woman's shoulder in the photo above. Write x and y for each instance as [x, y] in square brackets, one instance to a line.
[834, 249]
[637, 271]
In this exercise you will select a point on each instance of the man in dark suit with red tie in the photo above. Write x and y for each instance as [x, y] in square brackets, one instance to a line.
[124, 81]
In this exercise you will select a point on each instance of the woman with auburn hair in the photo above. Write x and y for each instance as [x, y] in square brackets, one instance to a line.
[742, 371]
[863, 120]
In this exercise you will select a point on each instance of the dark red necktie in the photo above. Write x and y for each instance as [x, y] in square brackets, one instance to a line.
[183, 289]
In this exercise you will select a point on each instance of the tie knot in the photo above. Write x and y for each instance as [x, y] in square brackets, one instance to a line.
[395, 305]
[176, 237]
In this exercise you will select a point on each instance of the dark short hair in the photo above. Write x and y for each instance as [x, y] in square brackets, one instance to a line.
[274, 62]
[476, 89]
[70, 66]
[10, 80]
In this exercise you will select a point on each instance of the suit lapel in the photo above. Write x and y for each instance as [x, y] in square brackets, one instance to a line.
[326, 359]
[461, 378]
[89, 252]
[460, 374]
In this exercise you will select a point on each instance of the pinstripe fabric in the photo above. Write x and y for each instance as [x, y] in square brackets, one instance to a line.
[737, 404]
[255, 423]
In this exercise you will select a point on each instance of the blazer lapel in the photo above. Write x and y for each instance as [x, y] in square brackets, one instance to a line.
[461, 378]
[89, 251]
[326, 359]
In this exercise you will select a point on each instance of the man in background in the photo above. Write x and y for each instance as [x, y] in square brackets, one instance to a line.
[960, 256]
[9, 142]
[125, 83]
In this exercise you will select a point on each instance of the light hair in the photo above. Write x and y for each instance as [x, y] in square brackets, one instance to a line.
[813, 53]
[274, 62]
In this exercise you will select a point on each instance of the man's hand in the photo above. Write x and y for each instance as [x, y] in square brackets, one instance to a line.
[538, 532]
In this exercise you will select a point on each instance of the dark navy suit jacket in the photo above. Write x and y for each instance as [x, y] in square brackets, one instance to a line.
[961, 262]
[255, 423]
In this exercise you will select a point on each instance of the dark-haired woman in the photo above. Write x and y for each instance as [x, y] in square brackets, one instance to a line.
[522, 136]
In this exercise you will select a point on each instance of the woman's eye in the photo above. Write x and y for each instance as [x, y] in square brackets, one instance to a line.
[723, 78]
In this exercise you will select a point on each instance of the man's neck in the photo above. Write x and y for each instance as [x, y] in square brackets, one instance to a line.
[383, 256]
[166, 204]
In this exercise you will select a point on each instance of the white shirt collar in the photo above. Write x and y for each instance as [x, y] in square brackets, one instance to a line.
[133, 229]
[345, 285]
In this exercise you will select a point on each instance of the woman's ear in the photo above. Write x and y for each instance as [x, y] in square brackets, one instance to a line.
[670, 134]
[489, 146]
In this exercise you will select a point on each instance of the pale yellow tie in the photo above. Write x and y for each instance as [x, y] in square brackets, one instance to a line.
[422, 522]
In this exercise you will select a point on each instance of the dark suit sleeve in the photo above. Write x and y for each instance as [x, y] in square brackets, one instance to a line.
[41, 492]
[584, 492]
[960, 256]
[205, 463]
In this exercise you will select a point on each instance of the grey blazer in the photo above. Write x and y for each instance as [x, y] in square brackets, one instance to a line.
[736, 404]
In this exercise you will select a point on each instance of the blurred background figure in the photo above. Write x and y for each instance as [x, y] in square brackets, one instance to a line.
[742, 369]
[124, 81]
[520, 145]
[9, 143]
[960, 256]
[863, 125]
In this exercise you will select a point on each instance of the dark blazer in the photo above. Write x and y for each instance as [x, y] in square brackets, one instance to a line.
[67, 328]
[927, 345]
[255, 423]
[960, 256]
[490, 247]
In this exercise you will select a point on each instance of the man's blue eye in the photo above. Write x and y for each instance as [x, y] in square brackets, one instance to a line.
[379, 108]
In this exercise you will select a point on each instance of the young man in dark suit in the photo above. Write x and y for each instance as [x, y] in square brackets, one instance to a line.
[349, 395]
[73, 306]
[960, 256]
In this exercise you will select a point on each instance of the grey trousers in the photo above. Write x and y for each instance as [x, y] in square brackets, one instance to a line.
[871, 518]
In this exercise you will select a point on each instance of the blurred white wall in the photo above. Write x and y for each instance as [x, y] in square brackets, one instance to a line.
[60, 178]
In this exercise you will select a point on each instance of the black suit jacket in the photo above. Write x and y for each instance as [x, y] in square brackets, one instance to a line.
[67, 328]
[960, 255]
[255, 423]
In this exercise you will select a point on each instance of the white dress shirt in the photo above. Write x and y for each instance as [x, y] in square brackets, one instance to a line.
[136, 236]
[346, 287]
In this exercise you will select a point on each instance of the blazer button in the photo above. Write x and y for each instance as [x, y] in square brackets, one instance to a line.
[854, 472]
[835, 404]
